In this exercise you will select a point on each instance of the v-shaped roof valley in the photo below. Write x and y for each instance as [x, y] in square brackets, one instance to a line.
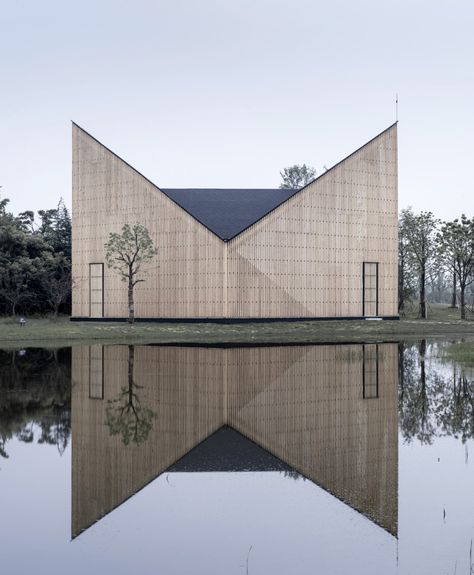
[228, 212]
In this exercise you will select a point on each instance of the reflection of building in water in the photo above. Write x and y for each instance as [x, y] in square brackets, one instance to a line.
[328, 411]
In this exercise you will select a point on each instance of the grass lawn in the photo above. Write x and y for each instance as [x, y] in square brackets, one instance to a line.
[443, 322]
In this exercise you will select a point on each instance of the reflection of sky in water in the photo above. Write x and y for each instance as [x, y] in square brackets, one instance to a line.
[206, 522]
[436, 506]
[214, 522]
[185, 523]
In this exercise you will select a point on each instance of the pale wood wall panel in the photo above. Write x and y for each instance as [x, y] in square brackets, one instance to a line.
[310, 249]
[302, 260]
[184, 280]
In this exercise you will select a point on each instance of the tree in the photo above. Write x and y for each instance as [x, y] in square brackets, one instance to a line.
[295, 177]
[17, 279]
[55, 228]
[454, 294]
[419, 231]
[35, 261]
[456, 244]
[27, 221]
[125, 253]
[406, 283]
[57, 281]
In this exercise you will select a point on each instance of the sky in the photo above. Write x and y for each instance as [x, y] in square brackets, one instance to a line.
[226, 93]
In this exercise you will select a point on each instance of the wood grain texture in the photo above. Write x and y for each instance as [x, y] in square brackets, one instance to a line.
[182, 387]
[305, 405]
[303, 259]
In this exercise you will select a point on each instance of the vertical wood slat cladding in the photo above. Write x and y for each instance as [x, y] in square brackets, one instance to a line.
[182, 386]
[304, 259]
[304, 404]
[184, 280]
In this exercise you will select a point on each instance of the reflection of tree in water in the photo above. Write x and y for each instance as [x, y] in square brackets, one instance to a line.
[455, 408]
[125, 415]
[293, 474]
[35, 397]
[56, 429]
[415, 393]
[434, 400]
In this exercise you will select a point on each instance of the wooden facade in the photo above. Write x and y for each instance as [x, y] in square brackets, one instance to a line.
[307, 258]
[329, 411]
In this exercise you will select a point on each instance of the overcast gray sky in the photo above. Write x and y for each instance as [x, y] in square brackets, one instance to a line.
[216, 93]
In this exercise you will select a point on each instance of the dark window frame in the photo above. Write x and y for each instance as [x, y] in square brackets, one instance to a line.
[376, 287]
[364, 359]
[90, 287]
[101, 376]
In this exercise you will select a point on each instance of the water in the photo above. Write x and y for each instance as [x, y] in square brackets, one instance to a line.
[299, 459]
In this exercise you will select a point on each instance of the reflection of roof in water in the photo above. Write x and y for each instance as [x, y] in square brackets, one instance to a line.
[306, 405]
[228, 450]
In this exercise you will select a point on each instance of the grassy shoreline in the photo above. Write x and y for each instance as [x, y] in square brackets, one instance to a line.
[49, 332]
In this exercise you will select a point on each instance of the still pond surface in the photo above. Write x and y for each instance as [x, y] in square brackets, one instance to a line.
[332, 459]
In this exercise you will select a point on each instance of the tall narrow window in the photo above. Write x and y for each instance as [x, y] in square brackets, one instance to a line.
[96, 290]
[96, 372]
[370, 371]
[370, 288]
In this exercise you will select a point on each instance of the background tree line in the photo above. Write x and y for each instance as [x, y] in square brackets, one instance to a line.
[435, 262]
[35, 261]
[435, 259]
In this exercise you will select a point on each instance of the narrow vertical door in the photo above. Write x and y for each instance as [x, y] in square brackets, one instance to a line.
[370, 288]
[96, 290]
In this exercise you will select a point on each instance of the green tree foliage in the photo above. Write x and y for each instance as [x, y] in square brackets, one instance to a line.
[55, 228]
[297, 176]
[456, 246]
[447, 261]
[35, 261]
[419, 232]
[126, 253]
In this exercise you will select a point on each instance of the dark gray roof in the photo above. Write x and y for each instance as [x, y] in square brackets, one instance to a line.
[228, 212]
[228, 450]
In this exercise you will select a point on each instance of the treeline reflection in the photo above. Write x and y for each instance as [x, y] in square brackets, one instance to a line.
[436, 397]
[35, 397]
[329, 412]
